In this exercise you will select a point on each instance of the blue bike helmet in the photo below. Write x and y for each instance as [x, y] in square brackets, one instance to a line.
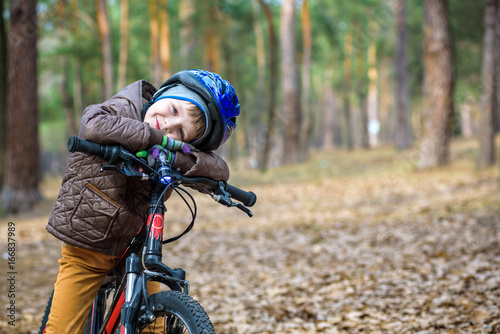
[220, 98]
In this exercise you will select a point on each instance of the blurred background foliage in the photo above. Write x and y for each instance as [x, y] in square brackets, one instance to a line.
[371, 21]
[347, 73]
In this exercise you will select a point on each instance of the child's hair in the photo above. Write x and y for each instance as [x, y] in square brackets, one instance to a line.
[198, 116]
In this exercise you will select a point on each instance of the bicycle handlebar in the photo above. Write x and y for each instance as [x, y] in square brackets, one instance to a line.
[107, 152]
[116, 153]
[248, 198]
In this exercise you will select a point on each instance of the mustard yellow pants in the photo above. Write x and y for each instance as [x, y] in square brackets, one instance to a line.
[81, 273]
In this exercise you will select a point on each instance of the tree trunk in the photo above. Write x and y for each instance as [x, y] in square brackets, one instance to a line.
[164, 40]
[77, 81]
[336, 119]
[330, 111]
[373, 115]
[260, 56]
[3, 94]
[237, 144]
[361, 92]
[386, 100]
[154, 30]
[257, 140]
[273, 77]
[346, 98]
[22, 176]
[438, 86]
[466, 116]
[496, 71]
[66, 96]
[124, 40]
[306, 126]
[77, 91]
[212, 43]
[290, 83]
[486, 133]
[187, 48]
[105, 38]
[403, 134]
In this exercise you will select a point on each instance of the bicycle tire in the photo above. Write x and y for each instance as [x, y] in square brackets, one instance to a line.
[46, 313]
[169, 305]
[175, 305]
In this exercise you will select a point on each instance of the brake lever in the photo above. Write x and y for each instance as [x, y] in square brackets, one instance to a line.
[244, 209]
[126, 160]
[127, 171]
[222, 196]
[129, 159]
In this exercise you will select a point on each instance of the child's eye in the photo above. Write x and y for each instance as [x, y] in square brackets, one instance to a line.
[181, 132]
[175, 110]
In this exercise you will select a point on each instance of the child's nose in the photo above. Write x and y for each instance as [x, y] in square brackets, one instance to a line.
[172, 123]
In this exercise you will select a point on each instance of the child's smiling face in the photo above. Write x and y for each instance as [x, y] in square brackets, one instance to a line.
[171, 117]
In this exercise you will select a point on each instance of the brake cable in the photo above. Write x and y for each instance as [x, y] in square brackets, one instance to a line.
[193, 213]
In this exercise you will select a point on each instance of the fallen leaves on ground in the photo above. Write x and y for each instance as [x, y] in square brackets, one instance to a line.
[365, 245]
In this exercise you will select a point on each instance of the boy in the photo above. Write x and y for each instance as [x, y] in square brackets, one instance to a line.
[97, 214]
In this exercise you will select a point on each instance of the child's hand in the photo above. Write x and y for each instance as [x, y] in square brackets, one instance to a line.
[153, 153]
[175, 145]
[169, 146]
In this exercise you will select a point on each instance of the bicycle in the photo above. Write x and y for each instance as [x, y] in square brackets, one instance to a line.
[123, 304]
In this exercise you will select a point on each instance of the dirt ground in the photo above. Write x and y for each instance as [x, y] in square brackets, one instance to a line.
[354, 242]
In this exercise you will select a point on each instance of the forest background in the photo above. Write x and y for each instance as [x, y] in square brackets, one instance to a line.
[309, 74]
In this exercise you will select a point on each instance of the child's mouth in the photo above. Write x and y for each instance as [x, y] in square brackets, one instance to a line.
[157, 124]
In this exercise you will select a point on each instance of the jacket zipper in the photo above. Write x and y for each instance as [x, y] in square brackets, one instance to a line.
[129, 224]
[102, 194]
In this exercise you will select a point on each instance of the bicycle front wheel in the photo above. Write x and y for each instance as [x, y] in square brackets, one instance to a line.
[178, 313]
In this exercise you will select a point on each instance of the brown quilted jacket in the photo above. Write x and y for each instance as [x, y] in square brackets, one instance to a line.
[103, 211]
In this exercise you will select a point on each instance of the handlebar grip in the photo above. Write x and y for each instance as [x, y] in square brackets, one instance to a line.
[76, 144]
[248, 198]
[106, 152]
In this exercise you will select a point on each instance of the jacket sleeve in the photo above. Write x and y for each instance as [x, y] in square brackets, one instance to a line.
[116, 122]
[205, 164]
